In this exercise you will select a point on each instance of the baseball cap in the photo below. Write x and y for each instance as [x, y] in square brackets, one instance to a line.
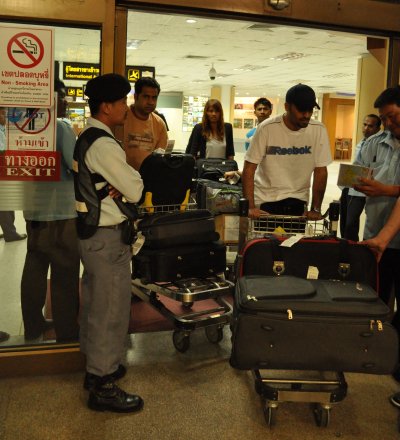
[303, 97]
[107, 88]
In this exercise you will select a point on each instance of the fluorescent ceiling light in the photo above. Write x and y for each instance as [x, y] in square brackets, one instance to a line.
[191, 20]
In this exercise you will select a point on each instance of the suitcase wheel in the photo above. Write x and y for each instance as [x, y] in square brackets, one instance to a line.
[181, 340]
[322, 415]
[214, 333]
[270, 413]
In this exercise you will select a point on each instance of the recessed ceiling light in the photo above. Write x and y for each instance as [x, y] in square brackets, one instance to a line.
[191, 20]
[133, 44]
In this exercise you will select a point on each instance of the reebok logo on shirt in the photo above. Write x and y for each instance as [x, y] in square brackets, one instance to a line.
[280, 151]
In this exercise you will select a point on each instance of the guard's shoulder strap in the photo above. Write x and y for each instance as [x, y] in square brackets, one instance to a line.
[91, 134]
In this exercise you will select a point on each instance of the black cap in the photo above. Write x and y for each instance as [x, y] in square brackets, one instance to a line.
[107, 88]
[303, 97]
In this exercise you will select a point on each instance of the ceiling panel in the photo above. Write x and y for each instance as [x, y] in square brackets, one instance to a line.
[244, 54]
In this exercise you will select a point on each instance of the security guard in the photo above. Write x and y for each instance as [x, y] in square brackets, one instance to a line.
[101, 174]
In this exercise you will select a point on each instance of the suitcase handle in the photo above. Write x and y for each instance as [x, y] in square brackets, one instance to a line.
[267, 328]
[368, 365]
[174, 161]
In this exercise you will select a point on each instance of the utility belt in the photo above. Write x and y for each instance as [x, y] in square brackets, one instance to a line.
[128, 231]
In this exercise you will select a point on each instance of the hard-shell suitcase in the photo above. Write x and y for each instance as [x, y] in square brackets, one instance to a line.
[166, 229]
[218, 197]
[285, 322]
[174, 263]
[214, 169]
[330, 258]
[167, 179]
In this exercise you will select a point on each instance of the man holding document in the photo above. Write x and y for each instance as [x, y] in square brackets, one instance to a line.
[381, 153]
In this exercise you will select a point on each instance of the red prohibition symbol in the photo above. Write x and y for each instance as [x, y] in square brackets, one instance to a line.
[28, 126]
[25, 50]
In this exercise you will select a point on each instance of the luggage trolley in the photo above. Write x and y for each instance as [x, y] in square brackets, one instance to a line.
[321, 389]
[186, 292]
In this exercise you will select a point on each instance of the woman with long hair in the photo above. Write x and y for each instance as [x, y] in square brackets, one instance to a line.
[213, 138]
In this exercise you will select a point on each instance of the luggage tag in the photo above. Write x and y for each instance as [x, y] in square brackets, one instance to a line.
[312, 273]
[289, 242]
[138, 243]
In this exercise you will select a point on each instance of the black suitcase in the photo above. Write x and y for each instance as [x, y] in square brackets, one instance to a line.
[166, 229]
[289, 323]
[174, 263]
[167, 179]
[218, 197]
[214, 169]
[333, 258]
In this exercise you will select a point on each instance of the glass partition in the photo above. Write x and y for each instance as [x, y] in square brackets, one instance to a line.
[34, 310]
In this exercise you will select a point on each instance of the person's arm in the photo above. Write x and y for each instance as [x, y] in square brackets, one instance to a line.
[320, 178]
[230, 149]
[379, 243]
[66, 143]
[109, 160]
[248, 173]
[162, 135]
[197, 139]
[374, 188]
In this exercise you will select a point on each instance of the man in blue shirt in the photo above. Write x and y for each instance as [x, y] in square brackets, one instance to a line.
[262, 110]
[352, 201]
[382, 153]
[53, 243]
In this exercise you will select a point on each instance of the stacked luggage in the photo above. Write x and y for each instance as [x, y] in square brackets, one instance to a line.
[179, 245]
[309, 307]
[179, 261]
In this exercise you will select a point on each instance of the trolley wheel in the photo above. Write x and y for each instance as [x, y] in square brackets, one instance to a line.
[270, 415]
[322, 415]
[181, 341]
[214, 333]
[187, 305]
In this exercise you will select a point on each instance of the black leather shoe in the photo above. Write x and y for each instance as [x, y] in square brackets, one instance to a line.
[109, 397]
[48, 324]
[15, 237]
[4, 336]
[90, 379]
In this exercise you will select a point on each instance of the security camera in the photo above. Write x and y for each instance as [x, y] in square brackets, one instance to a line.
[212, 73]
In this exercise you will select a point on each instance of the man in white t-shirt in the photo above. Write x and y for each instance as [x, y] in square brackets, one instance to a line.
[285, 152]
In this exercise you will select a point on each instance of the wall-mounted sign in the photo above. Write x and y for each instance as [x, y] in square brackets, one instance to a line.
[26, 72]
[75, 92]
[84, 71]
[133, 73]
[30, 145]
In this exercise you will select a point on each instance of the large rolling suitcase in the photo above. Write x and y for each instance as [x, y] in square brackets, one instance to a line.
[303, 315]
[166, 229]
[328, 258]
[285, 322]
[174, 263]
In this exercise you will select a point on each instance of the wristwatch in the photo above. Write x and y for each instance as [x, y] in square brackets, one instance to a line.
[316, 210]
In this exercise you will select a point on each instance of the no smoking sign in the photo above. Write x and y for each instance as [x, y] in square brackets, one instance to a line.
[27, 66]
[25, 50]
